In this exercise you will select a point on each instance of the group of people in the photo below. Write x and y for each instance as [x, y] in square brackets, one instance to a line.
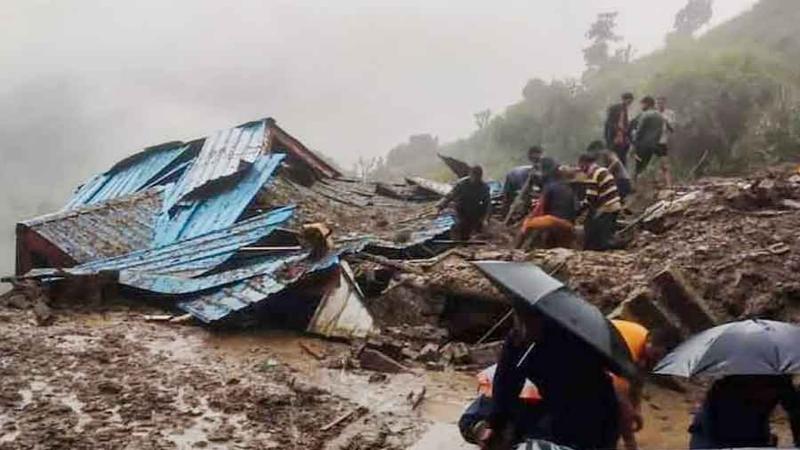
[536, 393]
[597, 188]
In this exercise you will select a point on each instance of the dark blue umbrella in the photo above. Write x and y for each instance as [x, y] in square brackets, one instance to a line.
[532, 286]
[749, 347]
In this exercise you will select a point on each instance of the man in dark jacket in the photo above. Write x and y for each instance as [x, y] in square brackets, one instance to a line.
[473, 204]
[736, 412]
[578, 394]
[554, 216]
[617, 128]
[647, 136]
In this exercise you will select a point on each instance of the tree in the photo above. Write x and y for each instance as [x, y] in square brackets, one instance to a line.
[691, 18]
[482, 118]
[602, 33]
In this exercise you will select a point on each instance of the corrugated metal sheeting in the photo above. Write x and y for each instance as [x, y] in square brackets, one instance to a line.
[192, 257]
[215, 212]
[127, 177]
[225, 154]
[342, 312]
[220, 304]
[105, 230]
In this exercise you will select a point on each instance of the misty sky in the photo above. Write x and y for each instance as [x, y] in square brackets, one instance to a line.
[349, 77]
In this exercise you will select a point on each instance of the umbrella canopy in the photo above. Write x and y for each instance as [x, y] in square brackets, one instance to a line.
[750, 347]
[528, 283]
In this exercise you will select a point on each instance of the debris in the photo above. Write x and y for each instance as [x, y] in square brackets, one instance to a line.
[18, 301]
[310, 351]
[377, 377]
[158, 318]
[183, 318]
[779, 248]
[429, 353]
[403, 267]
[455, 353]
[683, 301]
[485, 354]
[791, 204]
[43, 314]
[415, 398]
[371, 359]
[641, 307]
[358, 411]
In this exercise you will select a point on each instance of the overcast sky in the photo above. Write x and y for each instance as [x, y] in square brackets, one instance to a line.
[351, 77]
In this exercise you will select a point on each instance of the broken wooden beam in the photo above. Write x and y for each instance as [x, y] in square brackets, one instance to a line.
[681, 299]
[401, 266]
[375, 360]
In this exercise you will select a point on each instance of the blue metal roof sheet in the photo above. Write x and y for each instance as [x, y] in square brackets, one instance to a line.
[220, 304]
[128, 176]
[224, 155]
[187, 258]
[218, 211]
[104, 230]
[423, 231]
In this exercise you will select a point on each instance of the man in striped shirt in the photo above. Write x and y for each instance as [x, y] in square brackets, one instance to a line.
[603, 204]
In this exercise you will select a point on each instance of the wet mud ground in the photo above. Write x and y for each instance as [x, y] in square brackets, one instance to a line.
[113, 380]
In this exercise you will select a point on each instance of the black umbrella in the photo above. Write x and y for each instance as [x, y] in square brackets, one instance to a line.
[749, 347]
[551, 298]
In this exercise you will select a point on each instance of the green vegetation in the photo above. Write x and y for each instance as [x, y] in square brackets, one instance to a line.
[736, 91]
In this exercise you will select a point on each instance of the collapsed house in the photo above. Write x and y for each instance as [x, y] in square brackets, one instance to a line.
[212, 227]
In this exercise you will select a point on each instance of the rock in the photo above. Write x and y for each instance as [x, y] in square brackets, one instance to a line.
[455, 353]
[789, 203]
[18, 301]
[378, 378]
[43, 314]
[430, 352]
[371, 359]
[682, 300]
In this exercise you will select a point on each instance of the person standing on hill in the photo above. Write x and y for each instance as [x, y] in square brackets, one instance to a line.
[647, 135]
[666, 135]
[617, 128]
[473, 204]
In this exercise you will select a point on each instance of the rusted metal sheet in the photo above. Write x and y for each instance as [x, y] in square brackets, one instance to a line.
[431, 186]
[128, 176]
[218, 211]
[104, 230]
[281, 141]
[458, 167]
[225, 154]
[250, 292]
[342, 313]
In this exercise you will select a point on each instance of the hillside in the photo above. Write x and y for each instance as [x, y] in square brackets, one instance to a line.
[735, 90]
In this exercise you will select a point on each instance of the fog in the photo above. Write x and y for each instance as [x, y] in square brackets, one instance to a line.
[84, 83]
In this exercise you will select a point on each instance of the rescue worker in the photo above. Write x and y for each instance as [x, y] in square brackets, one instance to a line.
[611, 161]
[736, 412]
[603, 204]
[522, 180]
[473, 203]
[577, 392]
[617, 128]
[647, 135]
[555, 211]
